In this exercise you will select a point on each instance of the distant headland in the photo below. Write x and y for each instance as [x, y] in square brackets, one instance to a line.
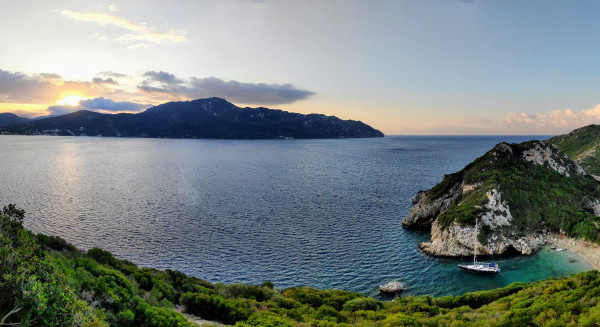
[214, 118]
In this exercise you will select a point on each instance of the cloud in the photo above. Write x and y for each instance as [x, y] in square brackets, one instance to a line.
[60, 110]
[109, 73]
[99, 80]
[238, 92]
[41, 88]
[559, 120]
[105, 104]
[100, 104]
[50, 76]
[552, 122]
[162, 77]
[140, 34]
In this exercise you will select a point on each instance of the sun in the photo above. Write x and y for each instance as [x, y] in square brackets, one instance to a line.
[70, 100]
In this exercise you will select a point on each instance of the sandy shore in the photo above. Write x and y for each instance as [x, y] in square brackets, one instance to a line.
[590, 251]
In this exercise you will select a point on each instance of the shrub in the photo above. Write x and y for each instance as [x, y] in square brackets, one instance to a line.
[55, 243]
[214, 307]
[102, 256]
[362, 304]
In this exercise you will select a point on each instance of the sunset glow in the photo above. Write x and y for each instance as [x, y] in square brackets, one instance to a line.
[404, 67]
[70, 100]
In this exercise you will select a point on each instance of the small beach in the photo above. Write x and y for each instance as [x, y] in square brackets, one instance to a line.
[588, 250]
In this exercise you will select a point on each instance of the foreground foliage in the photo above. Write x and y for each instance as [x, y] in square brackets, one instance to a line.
[47, 282]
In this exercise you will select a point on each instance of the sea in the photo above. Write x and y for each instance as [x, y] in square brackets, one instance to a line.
[320, 213]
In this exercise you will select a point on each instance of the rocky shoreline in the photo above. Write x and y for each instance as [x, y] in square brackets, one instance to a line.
[587, 250]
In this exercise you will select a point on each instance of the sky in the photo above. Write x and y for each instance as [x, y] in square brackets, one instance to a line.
[404, 67]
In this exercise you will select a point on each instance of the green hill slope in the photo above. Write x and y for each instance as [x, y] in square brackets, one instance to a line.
[581, 145]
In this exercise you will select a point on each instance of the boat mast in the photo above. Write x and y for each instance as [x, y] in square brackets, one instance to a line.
[475, 244]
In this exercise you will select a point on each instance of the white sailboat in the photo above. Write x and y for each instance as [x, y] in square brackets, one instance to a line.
[480, 267]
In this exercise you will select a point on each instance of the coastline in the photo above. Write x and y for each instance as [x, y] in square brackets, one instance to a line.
[588, 250]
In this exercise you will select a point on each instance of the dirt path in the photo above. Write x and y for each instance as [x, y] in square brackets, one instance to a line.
[197, 320]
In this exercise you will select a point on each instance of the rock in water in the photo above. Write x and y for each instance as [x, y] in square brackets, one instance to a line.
[391, 287]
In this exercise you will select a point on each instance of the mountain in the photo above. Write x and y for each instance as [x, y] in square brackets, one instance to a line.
[203, 118]
[10, 119]
[518, 192]
[582, 145]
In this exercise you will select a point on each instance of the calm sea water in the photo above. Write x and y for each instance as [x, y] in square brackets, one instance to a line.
[322, 213]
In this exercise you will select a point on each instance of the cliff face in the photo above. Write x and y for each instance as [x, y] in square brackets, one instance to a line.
[517, 192]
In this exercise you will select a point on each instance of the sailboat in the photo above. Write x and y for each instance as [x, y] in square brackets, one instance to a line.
[480, 267]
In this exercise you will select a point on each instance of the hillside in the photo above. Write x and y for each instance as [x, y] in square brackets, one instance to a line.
[10, 119]
[45, 281]
[204, 118]
[582, 145]
[518, 192]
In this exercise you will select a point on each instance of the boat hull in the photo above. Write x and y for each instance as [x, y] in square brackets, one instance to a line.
[479, 269]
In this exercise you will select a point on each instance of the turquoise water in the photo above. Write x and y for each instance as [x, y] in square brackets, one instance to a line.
[541, 265]
[321, 213]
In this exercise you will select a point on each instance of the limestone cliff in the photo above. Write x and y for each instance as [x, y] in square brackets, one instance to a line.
[517, 192]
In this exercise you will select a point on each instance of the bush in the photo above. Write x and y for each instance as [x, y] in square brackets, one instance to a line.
[144, 279]
[266, 319]
[125, 318]
[55, 243]
[364, 303]
[102, 256]
[214, 307]
[268, 284]
[257, 293]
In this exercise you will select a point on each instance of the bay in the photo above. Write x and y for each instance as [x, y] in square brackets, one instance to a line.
[320, 213]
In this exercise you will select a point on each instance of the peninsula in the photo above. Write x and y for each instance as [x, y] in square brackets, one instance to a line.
[213, 118]
[521, 194]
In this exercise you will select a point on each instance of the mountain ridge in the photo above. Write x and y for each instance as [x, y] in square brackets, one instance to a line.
[7, 118]
[201, 118]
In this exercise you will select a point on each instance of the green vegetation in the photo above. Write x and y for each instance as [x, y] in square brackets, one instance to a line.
[45, 281]
[581, 145]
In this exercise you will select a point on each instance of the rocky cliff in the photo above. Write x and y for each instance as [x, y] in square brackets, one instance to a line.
[517, 192]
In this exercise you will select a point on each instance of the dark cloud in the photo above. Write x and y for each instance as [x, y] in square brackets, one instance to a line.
[162, 77]
[109, 73]
[39, 88]
[98, 104]
[246, 93]
[99, 80]
[18, 87]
